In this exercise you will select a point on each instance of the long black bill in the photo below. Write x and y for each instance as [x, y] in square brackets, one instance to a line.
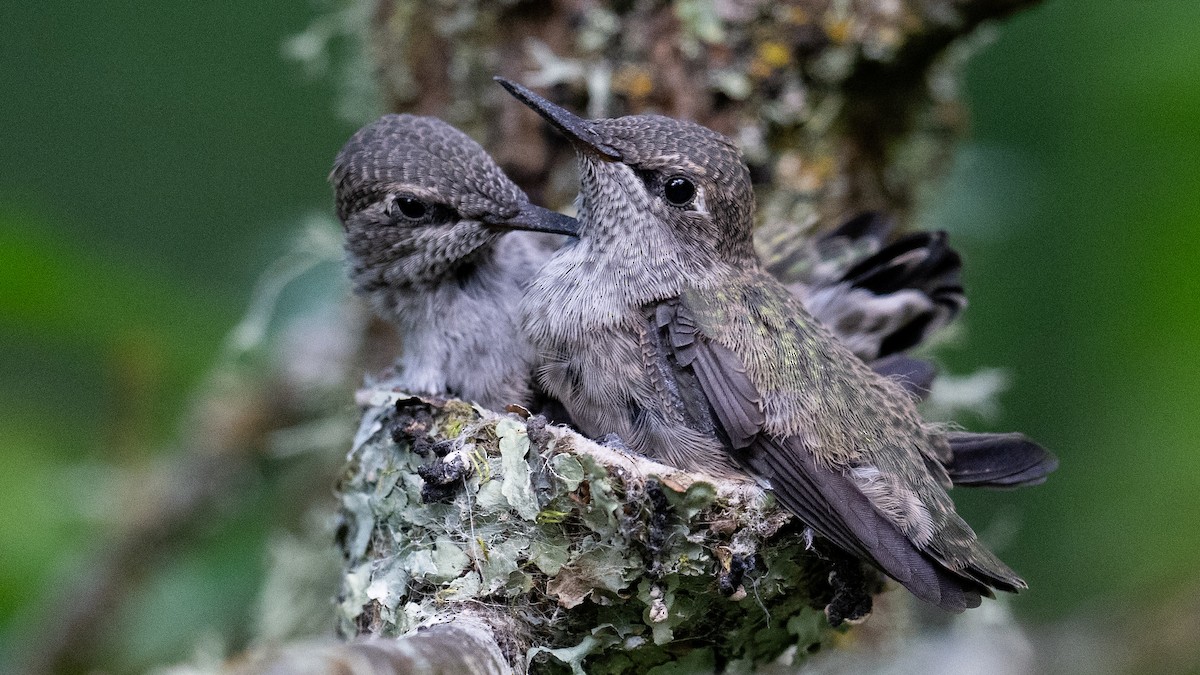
[536, 219]
[576, 128]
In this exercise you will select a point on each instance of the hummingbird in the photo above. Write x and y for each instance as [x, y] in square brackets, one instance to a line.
[660, 324]
[420, 203]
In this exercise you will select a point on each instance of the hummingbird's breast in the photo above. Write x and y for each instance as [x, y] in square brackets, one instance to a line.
[586, 316]
[462, 336]
[589, 287]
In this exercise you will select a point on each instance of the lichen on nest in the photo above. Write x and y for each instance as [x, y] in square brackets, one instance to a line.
[600, 555]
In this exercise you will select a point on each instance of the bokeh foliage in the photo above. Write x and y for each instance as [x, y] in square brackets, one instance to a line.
[1077, 200]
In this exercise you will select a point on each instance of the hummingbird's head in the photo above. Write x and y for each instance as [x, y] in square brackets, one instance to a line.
[686, 177]
[418, 197]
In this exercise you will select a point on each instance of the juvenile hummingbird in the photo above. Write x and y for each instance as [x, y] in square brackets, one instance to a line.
[420, 202]
[660, 325]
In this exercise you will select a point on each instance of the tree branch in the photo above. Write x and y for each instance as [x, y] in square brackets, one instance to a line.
[463, 646]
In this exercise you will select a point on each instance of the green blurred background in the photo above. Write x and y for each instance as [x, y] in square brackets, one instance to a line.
[157, 156]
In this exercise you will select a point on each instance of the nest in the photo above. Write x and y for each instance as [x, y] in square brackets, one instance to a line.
[574, 551]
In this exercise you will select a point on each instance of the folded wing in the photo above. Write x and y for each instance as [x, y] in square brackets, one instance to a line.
[942, 571]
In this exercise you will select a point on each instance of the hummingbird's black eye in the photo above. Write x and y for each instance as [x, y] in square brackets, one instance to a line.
[679, 191]
[412, 209]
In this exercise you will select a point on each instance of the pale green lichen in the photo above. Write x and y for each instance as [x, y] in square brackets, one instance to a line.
[514, 445]
[567, 536]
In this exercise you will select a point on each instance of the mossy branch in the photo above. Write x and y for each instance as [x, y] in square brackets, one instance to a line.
[594, 554]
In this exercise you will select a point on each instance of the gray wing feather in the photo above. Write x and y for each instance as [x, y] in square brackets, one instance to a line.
[832, 505]
[731, 395]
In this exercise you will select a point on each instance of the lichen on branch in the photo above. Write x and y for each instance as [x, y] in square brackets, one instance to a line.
[600, 556]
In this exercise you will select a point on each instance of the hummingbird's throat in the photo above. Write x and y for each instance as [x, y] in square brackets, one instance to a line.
[614, 205]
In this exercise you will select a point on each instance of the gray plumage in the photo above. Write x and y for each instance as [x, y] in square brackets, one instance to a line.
[419, 201]
[660, 325]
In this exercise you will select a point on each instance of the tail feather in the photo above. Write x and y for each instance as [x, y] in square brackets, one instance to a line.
[923, 262]
[998, 460]
[882, 300]
[919, 260]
